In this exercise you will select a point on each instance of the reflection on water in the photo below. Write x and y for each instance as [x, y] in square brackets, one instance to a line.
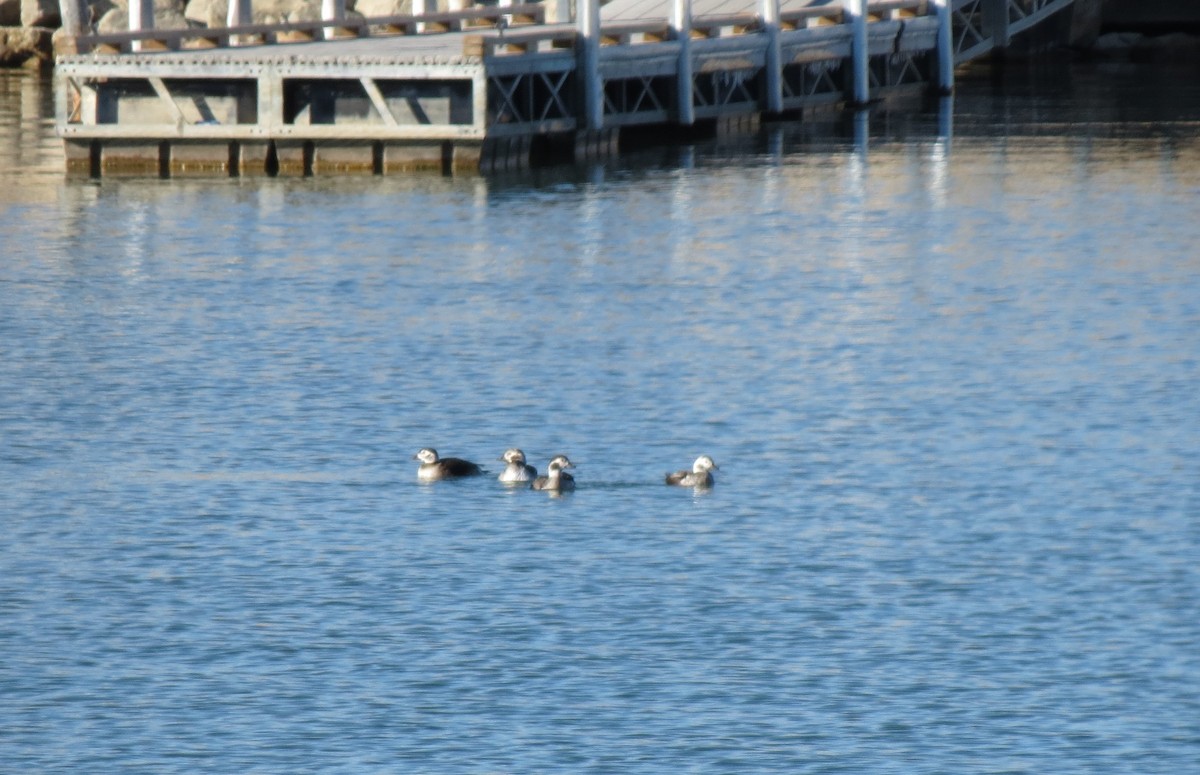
[29, 150]
[949, 378]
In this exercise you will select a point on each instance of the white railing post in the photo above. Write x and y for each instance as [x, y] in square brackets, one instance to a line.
[681, 28]
[856, 12]
[141, 17]
[239, 14]
[72, 13]
[332, 11]
[587, 23]
[945, 47]
[420, 8]
[769, 11]
[560, 11]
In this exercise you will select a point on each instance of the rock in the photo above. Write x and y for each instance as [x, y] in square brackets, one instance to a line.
[369, 8]
[10, 13]
[1117, 42]
[26, 46]
[117, 20]
[215, 13]
[40, 13]
[207, 13]
[1133, 45]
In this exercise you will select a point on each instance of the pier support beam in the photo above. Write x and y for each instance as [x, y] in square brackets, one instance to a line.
[856, 14]
[200, 159]
[252, 159]
[681, 28]
[769, 13]
[945, 47]
[413, 155]
[594, 146]
[588, 26]
[995, 22]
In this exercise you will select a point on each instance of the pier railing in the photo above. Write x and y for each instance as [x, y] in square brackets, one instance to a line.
[311, 30]
[485, 85]
[978, 26]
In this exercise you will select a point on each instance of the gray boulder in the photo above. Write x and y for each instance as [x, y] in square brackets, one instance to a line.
[40, 13]
[26, 46]
[168, 15]
[369, 8]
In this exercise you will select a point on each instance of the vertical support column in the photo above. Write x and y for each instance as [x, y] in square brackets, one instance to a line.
[945, 47]
[420, 8]
[995, 22]
[253, 155]
[681, 28]
[332, 11]
[856, 14]
[141, 17]
[769, 11]
[588, 69]
[72, 14]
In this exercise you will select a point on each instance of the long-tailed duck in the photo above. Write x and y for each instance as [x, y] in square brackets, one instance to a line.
[556, 480]
[699, 476]
[434, 468]
[516, 470]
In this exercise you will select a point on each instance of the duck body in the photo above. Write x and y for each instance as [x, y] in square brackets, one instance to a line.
[516, 470]
[699, 476]
[434, 468]
[556, 479]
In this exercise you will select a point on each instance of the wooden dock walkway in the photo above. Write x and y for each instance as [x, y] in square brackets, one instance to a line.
[495, 87]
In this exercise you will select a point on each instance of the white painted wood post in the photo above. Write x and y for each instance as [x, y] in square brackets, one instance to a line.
[945, 47]
[420, 8]
[560, 11]
[239, 13]
[769, 11]
[588, 25]
[332, 11]
[856, 12]
[141, 17]
[681, 28]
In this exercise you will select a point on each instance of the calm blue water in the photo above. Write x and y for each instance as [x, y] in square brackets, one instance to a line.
[951, 381]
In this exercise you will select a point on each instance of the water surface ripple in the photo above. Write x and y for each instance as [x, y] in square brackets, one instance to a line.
[950, 380]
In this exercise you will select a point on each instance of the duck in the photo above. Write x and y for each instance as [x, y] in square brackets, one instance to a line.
[556, 479]
[699, 476]
[434, 468]
[517, 470]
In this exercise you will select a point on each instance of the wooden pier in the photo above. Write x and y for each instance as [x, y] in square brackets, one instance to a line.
[496, 87]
